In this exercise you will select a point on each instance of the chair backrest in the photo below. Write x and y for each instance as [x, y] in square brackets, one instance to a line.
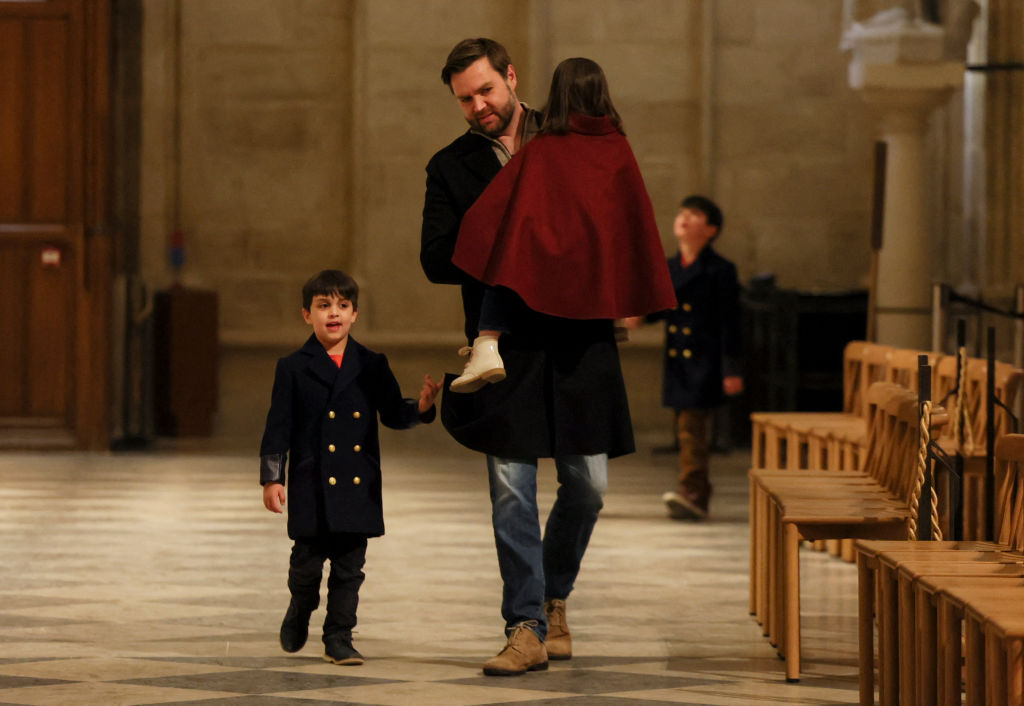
[904, 365]
[1009, 509]
[1008, 380]
[874, 360]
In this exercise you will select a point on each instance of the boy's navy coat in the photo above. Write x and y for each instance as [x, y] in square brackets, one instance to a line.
[702, 334]
[325, 417]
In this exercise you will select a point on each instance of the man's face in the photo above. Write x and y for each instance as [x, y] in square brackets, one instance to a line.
[691, 228]
[488, 99]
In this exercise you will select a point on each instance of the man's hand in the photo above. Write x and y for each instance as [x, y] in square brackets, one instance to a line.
[429, 393]
[732, 385]
[273, 497]
[632, 322]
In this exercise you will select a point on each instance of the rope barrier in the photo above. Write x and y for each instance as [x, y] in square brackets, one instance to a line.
[922, 463]
[955, 296]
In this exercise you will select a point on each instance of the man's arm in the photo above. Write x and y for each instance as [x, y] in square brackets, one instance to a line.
[441, 219]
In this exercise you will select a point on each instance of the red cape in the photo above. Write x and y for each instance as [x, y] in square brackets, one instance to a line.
[567, 224]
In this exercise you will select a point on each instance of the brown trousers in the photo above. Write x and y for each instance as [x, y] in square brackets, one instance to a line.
[692, 432]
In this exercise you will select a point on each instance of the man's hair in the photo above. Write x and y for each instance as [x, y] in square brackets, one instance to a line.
[469, 51]
[578, 86]
[706, 206]
[327, 283]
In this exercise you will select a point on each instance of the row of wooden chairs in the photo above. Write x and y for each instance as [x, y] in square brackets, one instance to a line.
[940, 605]
[837, 440]
[787, 506]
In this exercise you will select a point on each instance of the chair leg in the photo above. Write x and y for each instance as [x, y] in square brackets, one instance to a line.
[866, 630]
[791, 588]
[888, 636]
[950, 656]
[752, 503]
[924, 641]
[975, 662]
[995, 670]
[1014, 650]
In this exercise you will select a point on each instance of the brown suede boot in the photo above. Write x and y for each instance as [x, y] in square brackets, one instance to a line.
[559, 642]
[524, 652]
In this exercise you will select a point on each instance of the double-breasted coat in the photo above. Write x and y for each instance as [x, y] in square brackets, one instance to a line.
[702, 333]
[323, 423]
[564, 393]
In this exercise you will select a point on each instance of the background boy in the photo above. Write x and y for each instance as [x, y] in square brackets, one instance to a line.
[323, 411]
[703, 357]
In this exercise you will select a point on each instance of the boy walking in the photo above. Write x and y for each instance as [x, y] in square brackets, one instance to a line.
[702, 348]
[324, 407]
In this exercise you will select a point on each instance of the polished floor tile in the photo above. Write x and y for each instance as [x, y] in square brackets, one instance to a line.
[158, 578]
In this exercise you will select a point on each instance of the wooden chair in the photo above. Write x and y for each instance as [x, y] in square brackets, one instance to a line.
[827, 506]
[875, 400]
[863, 363]
[901, 583]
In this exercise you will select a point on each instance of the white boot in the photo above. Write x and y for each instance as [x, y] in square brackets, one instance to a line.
[484, 365]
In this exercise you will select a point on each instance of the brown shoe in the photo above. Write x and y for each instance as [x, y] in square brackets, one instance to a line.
[524, 652]
[559, 642]
[682, 508]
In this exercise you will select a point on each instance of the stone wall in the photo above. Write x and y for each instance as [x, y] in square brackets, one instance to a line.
[283, 137]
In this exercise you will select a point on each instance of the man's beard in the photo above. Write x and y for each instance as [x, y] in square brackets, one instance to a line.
[504, 115]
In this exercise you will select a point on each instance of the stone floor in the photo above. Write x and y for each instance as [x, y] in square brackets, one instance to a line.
[158, 577]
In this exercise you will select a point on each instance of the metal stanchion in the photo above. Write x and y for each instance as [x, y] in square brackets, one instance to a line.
[940, 302]
[924, 397]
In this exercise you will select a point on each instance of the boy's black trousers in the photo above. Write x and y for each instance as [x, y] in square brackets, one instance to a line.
[347, 554]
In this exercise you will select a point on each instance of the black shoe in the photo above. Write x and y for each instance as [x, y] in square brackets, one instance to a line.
[294, 628]
[339, 650]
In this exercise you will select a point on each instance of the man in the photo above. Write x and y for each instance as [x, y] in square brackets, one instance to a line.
[565, 398]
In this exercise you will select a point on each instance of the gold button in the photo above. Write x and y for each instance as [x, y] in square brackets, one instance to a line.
[357, 448]
[687, 353]
[673, 328]
[357, 480]
[686, 306]
[332, 480]
[356, 415]
[331, 448]
[687, 331]
[331, 414]
[672, 352]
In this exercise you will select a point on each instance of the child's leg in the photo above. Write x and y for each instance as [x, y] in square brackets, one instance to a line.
[347, 554]
[485, 364]
[305, 567]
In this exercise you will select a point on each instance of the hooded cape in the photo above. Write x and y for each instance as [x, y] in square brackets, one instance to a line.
[567, 224]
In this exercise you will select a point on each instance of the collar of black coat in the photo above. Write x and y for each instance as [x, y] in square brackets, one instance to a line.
[697, 267]
[325, 370]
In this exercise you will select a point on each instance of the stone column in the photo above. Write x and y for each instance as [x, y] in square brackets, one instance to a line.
[899, 71]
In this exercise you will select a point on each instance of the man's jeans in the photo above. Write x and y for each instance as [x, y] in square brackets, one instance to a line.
[533, 569]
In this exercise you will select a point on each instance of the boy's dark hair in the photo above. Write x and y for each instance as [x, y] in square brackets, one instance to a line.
[327, 283]
[578, 86]
[469, 51]
[706, 206]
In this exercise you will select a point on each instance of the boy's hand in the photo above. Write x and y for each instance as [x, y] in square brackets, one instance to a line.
[273, 497]
[429, 393]
[732, 385]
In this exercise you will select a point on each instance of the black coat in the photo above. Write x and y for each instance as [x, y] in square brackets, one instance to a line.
[564, 393]
[702, 334]
[456, 176]
[325, 418]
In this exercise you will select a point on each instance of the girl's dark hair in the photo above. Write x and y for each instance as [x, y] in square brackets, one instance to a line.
[330, 282]
[469, 51]
[578, 86]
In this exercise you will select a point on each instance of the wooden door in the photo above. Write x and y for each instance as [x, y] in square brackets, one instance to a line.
[54, 247]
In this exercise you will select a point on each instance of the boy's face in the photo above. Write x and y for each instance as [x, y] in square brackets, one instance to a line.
[331, 317]
[691, 228]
